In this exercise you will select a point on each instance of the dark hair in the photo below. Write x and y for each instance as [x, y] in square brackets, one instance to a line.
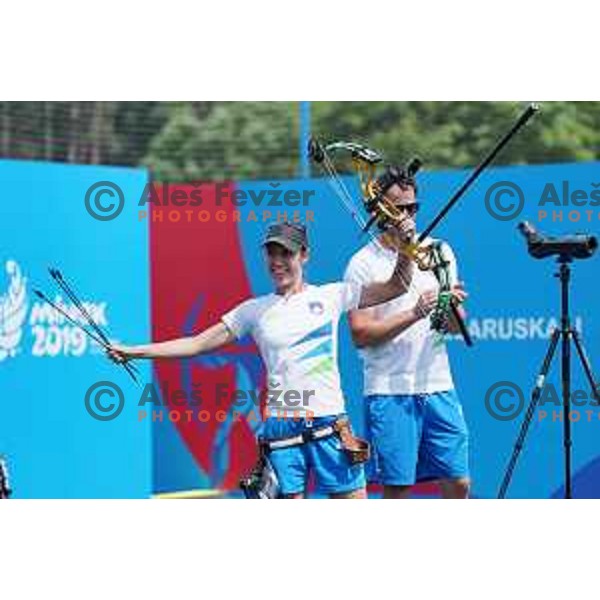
[397, 175]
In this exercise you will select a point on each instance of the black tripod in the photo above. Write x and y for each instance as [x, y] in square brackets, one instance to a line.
[565, 333]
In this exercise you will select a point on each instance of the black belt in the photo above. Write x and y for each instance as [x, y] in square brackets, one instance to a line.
[307, 436]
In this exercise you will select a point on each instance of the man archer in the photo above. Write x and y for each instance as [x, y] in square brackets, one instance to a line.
[414, 418]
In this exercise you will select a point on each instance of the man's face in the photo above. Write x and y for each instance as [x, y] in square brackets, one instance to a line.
[285, 267]
[404, 200]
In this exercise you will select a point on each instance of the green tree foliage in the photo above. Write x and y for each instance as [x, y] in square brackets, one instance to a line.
[184, 141]
[458, 134]
[233, 140]
[259, 139]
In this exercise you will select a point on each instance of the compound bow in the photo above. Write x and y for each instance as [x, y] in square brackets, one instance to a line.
[382, 212]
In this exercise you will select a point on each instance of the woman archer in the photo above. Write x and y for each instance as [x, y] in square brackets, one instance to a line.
[295, 329]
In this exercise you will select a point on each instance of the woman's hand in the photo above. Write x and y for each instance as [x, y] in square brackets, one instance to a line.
[118, 354]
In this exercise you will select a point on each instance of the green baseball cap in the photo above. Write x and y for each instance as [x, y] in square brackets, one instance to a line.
[290, 235]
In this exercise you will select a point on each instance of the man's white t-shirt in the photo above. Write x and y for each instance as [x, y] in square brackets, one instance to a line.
[297, 338]
[415, 361]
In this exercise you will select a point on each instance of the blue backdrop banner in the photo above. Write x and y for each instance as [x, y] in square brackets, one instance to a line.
[53, 445]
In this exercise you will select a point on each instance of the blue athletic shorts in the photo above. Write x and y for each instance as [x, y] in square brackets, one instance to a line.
[420, 437]
[324, 459]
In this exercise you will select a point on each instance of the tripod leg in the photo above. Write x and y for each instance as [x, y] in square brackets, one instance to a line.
[535, 397]
[566, 402]
[586, 365]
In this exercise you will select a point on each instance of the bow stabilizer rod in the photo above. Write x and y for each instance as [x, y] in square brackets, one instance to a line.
[527, 114]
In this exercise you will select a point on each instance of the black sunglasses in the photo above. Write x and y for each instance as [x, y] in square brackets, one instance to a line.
[411, 209]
